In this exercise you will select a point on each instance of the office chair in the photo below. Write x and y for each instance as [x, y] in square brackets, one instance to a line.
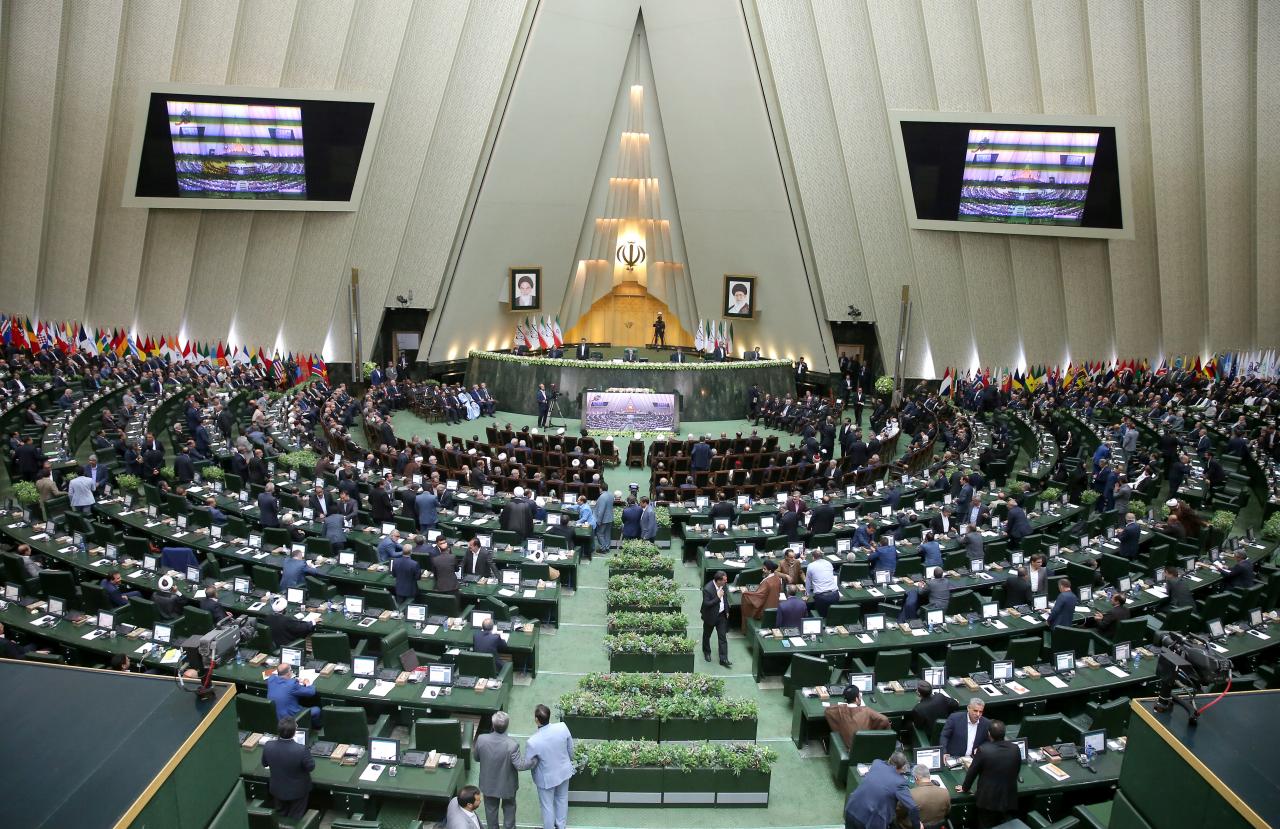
[804, 671]
[331, 646]
[449, 736]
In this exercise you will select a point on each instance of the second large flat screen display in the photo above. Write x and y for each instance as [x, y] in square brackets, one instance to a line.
[1043, 178]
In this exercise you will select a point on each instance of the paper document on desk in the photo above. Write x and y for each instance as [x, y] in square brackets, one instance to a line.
[506, 591]
[1055, 772]
[529, 594]
[864, 638]
[372, 772]
[999, 625]
[1017, 687]
[797, 641]
[357, 684]
[431, 630]
[1158, 592]
[1112, 669]
[307, 675]
[171, 656]
[1259, 634]
[381, 688]
[430, 692]
[1055, 682]
[919, 632]
[311, 617]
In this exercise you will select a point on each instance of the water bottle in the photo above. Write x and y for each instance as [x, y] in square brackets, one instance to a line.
[1088, 754]
[971, 624]
[1137, 659]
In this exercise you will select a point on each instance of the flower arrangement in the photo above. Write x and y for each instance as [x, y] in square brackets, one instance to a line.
[301, 460]
[1051, 493]
[213, 473]
[1089, 497]
[629, 706]
[691, 366]
[884, 385]
[737, 758]
[127, 482]
[1137, 506]
[642, 592]
[627, 621]
[366, 369]
[647, 643]
[653, 684]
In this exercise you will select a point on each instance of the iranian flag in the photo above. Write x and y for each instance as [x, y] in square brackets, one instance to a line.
[545, 334]
[559, 334]
[700, 336]
[520, 338]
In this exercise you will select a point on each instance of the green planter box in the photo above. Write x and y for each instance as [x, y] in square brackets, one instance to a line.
[635, 787]
[688, 787]
[750, 788]
[673, 663]
[736, 730]
[589, 789]
[589, 728]
[613, 608]
[681, 729]
[646, 728]
[631, 662]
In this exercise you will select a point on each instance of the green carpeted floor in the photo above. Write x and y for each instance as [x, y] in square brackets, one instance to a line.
[801, 792]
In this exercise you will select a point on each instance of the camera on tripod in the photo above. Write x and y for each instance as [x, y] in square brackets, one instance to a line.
[1185, 668]
[214, 648]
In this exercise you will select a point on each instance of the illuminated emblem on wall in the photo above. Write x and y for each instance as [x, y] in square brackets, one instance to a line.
[631, 254]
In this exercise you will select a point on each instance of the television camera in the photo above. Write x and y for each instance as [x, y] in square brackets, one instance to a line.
[212, 649]
[1184, 669]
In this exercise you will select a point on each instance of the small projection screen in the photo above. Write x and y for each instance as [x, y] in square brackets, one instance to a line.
[1019, 174]
[240, 148]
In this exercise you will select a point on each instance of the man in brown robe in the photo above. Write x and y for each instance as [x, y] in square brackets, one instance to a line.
[764, 596]
[790, 568]
[852, 716]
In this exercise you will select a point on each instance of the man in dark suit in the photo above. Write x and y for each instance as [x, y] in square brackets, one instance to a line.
[209, 601]
[998, 765]
[631, 515]
[268, 507]
[517, 516]
[477, 561]
[880, 793]
[380, 509]
[582, 351]
[823, 517]
[715, 616]
[931, 707]
[321, 503]
[789, 525]
[291, 765]
[1064, 607]
[1130, 537]
[487, 640]
[717, 354]
[285, 629]
[1106, 622]
[444, 566]
[1241, 573]
[1017, 590]
[406, 571]
[700, 455]
[722, 509]
[1214, 477]
[942, 523]
[544, 405]
[1178, 474]
[1017, 525]
[1178, 589]
[965, 730]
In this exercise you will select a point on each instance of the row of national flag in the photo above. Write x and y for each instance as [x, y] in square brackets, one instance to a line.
[713, 333]
[1227, 366]
[66, 337]
[539, 332]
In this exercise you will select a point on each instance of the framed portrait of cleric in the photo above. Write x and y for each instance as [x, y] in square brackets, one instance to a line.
[526, 289]
[739, 296]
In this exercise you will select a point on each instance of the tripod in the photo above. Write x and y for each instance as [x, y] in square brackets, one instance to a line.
[555, 414]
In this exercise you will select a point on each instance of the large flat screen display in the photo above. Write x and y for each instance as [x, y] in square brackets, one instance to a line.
[1049, 175]
[251, 149]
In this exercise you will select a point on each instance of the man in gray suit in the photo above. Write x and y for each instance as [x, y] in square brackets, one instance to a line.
[498, 777]
[972, 543]
[549, 753]
[604, 520]
[648, 521]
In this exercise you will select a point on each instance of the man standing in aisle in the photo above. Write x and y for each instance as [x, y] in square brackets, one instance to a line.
[499, 779]
[715, 616]
[604, 520]
[544, 405]
[549, 753]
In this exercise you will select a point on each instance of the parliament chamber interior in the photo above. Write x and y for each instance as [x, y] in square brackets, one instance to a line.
[639, 414]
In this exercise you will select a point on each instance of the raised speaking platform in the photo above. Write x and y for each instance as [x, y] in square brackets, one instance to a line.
[703, 390]
[92, 748]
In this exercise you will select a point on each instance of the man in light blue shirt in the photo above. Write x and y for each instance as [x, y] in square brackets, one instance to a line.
[820, 583]
[81, 491]
[549, 754]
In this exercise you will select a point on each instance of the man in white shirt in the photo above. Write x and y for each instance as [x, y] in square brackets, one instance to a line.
[965, 730]
[820, 583]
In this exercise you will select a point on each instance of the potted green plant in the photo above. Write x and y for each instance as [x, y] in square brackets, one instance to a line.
[1271, 529]
[1138, 507]
[27, 496]
[127, 482]
[1089, 497]
[672, 654]
[1221, 524]
[1051, 494]
[213, 472]
[884, 385]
